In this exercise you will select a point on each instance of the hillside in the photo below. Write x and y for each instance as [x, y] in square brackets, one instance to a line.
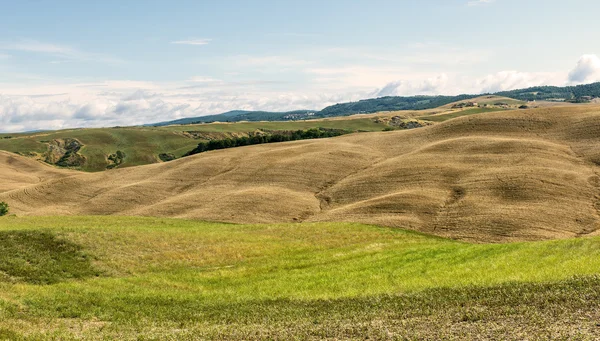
[242, 115]
[389, 103]
[578, 94]
[19, 172]
[499, 177]
[488, 101]
[144, 145]
[119, 147]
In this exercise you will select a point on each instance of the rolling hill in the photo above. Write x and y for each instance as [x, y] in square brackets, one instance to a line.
[496, 177]
[77, 262]
[144, 145]
[18, 172]
[98, 149]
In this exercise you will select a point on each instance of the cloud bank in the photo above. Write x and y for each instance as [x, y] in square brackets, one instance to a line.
[587, 70]
[123, 102]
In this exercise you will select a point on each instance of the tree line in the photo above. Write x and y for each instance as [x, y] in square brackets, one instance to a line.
[257, 138]
[569, 93]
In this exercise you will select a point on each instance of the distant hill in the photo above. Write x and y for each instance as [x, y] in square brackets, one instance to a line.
[575, 94]
[390, 103]
[243, 115]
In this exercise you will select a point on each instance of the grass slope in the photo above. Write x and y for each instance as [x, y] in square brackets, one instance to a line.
[142, 145]
[179, 279]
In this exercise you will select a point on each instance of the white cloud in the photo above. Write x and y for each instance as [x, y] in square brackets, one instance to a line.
[62, 52]
[201, 41]
[452, 84]
[55, 105]
[510, 80]
[265, 63]
[587, 70]
[480, 2]
[121, 103]
[203, 79]
[429, 53]
[431, 86]
[360, 76]
[36, 46]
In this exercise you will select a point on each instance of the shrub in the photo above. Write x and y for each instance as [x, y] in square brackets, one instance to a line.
[165, 157]
[3, 208]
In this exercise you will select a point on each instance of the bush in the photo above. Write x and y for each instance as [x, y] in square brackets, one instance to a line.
[3, 208]
[166, 157]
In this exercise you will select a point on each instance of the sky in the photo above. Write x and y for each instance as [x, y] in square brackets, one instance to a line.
[66, 64]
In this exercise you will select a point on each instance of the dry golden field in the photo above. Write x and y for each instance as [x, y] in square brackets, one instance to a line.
[494, 177]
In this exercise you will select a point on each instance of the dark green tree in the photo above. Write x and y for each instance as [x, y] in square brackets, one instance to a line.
[3, 208]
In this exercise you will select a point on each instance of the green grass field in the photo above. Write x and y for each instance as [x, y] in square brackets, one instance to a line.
[142, 145]
[160, 279]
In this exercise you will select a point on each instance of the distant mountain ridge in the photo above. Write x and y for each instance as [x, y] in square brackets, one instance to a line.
[390, 103]
[576, 94]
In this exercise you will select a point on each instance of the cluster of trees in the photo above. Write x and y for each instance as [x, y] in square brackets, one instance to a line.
[281, 136]
[116, 159]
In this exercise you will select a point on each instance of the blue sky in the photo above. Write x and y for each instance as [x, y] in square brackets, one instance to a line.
[103, 63]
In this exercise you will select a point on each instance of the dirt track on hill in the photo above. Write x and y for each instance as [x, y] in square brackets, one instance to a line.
[496, 177]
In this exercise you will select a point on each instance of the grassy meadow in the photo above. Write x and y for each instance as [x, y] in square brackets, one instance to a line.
[156, 279]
